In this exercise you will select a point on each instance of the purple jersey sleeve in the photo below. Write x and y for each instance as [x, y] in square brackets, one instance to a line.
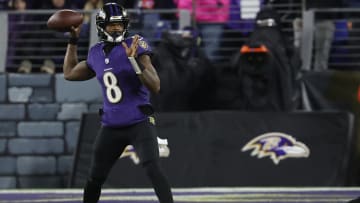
[144, 47]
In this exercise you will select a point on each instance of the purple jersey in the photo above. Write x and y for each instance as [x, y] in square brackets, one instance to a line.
[122, 90]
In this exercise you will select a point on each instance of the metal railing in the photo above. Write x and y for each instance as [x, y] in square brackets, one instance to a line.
[332, 32]
[234, 38]
[30, 39]
[26, 36]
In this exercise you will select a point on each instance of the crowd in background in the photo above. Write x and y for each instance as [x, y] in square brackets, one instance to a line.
[84, 4]
[188, 60]
[212, 18]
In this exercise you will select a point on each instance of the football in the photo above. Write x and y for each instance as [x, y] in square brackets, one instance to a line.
[63, 20]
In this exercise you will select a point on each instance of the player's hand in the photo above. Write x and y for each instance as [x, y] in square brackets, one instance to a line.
[132, 50]
[75, 31]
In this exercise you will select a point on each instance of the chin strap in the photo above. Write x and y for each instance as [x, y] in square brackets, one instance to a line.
[110, 38]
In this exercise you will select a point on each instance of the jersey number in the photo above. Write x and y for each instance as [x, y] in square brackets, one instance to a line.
[113, 91]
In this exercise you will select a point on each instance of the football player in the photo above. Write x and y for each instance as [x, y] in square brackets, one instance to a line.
[123, 68]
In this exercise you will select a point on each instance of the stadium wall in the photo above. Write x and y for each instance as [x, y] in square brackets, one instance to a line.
[39, 123]
[236, 149]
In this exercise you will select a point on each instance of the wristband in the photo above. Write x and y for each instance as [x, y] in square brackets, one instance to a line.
[73, 40]
[135, 65]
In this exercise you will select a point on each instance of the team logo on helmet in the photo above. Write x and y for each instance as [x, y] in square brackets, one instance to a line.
[102, 14]
[277, 146]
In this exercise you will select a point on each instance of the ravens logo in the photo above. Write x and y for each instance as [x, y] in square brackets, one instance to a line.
[277, 146]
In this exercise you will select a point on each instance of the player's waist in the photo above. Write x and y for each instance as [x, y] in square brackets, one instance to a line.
[144, 108]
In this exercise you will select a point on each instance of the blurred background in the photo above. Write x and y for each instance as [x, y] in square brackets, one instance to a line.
[230, 70]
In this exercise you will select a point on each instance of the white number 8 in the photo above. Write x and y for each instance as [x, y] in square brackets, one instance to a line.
[113, 92]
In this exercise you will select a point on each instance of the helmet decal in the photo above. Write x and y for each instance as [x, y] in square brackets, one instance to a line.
[102, 14]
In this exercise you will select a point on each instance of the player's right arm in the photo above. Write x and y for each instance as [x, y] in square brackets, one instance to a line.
[74, 70]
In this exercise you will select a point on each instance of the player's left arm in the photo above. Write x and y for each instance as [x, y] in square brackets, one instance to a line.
[142, 66]
[148, 76]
